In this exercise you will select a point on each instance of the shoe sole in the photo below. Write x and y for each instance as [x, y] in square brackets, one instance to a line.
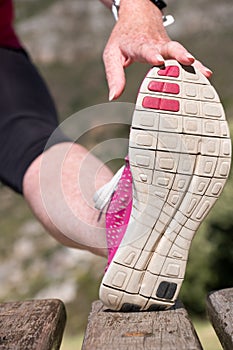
[180, 155]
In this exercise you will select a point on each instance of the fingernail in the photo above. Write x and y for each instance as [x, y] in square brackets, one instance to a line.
[111, 94]
[160, 58]
[208, 70]
[189, 55]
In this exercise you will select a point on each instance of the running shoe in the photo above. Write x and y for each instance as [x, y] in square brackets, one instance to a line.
[116, 197]
[179, 156]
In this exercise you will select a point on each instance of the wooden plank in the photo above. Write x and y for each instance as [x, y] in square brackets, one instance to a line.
[32, 325]
[220, 312]
[155, 330]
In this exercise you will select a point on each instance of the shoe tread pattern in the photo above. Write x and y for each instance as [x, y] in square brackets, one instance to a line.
[180, 153]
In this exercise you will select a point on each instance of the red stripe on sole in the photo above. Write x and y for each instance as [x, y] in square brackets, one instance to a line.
[170, 88]
[162, 104]
[170, 71]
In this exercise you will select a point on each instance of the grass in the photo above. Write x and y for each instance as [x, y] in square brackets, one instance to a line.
[207, 335]
[72, 342]
[203, 328]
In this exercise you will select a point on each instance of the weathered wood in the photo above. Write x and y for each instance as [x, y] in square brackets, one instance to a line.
[32, 325]
[155, 330]
[220, 312]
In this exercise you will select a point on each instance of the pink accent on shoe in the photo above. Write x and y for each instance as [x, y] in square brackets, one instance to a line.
[118, 213]
[159, 86]
[170, 71]
[163, 104]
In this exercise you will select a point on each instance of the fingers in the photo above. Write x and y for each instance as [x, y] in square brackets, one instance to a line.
[148, 53]
[115, 60]
[114, 63]
[203, 69]
[174, 50]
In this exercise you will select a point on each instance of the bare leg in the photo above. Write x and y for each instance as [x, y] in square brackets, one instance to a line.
[59, 186]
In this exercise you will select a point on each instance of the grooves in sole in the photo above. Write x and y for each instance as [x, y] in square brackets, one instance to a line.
[180, 154]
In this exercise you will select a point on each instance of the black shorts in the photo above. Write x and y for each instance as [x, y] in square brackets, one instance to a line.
[27, 116]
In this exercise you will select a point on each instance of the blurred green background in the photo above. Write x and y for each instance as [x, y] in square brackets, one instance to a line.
[66, 39]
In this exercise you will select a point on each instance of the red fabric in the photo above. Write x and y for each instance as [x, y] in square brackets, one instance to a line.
[8, 38]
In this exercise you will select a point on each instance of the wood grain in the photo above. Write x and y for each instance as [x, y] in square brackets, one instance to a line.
[220, 312]
[32, 325]
[157, 330]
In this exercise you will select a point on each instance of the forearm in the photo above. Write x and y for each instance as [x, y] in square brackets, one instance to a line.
[145, 17]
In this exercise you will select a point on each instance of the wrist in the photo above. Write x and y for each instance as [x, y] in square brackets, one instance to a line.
[159, 3]
[126, 7]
